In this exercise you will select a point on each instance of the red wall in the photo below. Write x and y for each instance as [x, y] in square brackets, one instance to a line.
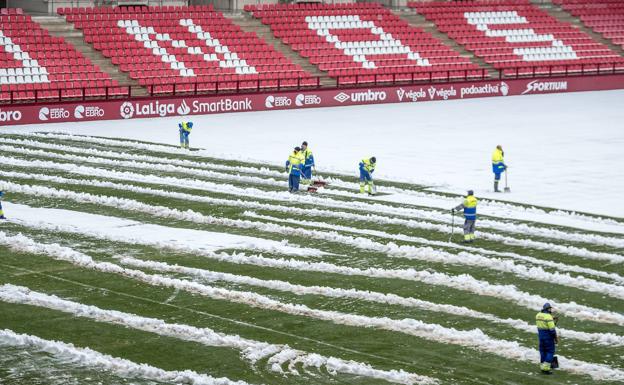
[199, 105]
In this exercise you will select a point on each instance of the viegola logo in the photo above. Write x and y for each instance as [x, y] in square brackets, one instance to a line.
[183, 109]
[44, 113]
[341, 97]
[126, 110]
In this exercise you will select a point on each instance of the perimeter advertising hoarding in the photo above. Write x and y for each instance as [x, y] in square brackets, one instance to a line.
[214, 104]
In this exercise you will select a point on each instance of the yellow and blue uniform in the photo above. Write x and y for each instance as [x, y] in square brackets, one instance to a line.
[498, 163]
[294, 166]
[1, 211]
[308, 163]
[469, 205]
[367, 167]
[547, 335]
[185, 131]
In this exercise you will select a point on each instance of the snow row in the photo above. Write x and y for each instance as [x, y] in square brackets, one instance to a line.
[370, 296]
[430, 254]
[139, 236]
[474, 339]
[118, 366]
[164, 167]
[277, 355]
[495, 208]
[461, 282]
[316, 212]
[285, 196]
[263, 171]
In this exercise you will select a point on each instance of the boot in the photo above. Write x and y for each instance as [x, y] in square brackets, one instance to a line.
[496, 187]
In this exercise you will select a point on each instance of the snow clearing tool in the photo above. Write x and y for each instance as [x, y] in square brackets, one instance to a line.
[452, 225]
[507, 189]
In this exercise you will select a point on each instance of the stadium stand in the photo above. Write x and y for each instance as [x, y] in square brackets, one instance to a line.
[605, 17]
[518, 38]
[185, 49]
[35, 65]
[363, 43]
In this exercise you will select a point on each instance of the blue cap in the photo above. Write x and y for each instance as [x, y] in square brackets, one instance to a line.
[546, 306]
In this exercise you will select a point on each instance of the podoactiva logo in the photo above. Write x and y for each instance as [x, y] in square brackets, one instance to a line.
[126, 110]
[504, 88]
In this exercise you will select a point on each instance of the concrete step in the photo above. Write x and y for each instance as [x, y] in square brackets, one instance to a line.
[58, 26]
[419, 21]
[251, 24]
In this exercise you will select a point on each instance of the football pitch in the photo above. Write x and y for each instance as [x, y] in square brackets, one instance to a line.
[128, 262]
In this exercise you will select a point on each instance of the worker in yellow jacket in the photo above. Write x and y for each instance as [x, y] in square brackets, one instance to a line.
[469, 205]
[367, 167]
[548, 338]
[498, 165]
[294, 167]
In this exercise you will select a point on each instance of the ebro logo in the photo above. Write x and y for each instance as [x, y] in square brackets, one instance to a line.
[10, 116]
[305, 100]
[46, 113]
[277, 101]
[81, 112]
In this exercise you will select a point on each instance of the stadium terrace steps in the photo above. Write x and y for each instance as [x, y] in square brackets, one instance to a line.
[185, 49]
[419, 21]
[57, 26]
[561, 13]
[517, 37]
[363, 43]
[250, 24]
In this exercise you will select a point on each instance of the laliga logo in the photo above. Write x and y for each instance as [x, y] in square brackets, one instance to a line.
[504, 88]
[183, 109]
[44, 113]
[126, 110]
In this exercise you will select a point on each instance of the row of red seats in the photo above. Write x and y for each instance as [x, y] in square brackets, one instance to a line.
[118, 44]
[46, 63]
[134, 9]
[603, 16]
[289, 23]
[452, 21]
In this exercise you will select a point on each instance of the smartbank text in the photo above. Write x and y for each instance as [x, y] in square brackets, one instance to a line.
[197, 107]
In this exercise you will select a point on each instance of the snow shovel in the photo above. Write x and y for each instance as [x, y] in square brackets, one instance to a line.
[507, 189]
[452, 224]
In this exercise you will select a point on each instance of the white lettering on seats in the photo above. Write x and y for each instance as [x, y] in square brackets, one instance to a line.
[30, 72]
[231, 58]
[361, 50]
[557, 50]
[144, 34]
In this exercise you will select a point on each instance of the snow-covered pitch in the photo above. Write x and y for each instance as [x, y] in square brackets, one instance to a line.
[125, 259]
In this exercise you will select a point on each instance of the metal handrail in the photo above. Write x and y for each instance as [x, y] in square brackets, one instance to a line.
[242, 85]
